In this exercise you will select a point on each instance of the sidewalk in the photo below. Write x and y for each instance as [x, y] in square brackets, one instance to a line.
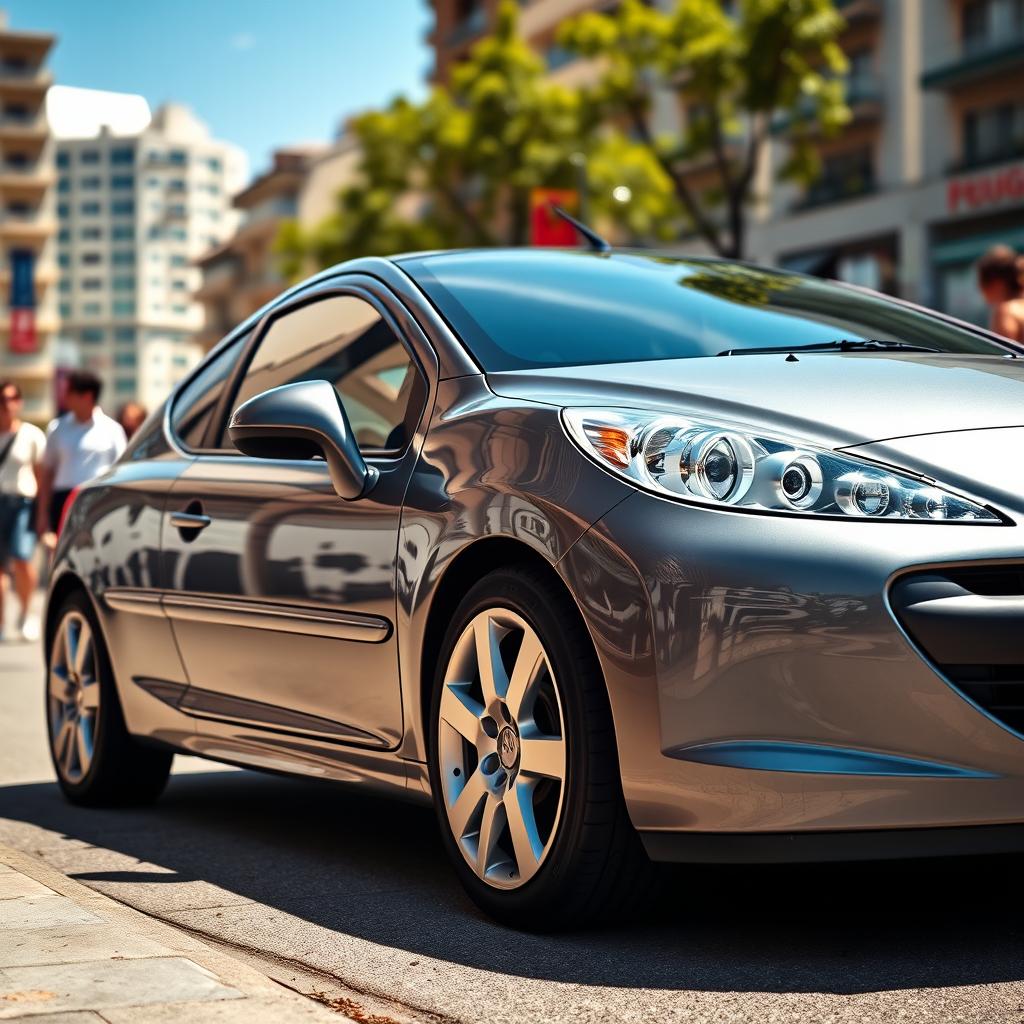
[69, 955]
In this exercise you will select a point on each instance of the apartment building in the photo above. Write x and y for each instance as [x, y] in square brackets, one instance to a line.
[241, 274]
[928, 174]
[28, 308]
[135, 208]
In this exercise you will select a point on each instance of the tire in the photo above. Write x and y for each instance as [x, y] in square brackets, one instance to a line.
[97, 761]
[532, 850]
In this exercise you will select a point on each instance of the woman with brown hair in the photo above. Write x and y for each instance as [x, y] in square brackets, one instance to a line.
[1001, 280]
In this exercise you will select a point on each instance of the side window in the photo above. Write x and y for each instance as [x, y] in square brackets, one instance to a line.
[197, 401]
[344, 340]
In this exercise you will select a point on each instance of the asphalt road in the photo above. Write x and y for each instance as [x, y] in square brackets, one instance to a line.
[358, 888]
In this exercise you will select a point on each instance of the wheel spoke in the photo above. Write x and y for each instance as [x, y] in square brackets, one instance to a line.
[90, 695]
[529, 662]
[543, 755]
[58, 686]
[69, 646]
[492, 822]
[460, 711]
[82, 744]
[83, 651]
[461, 811]
[68, 758]
[63, 739]
[522, 827]
[493, 679]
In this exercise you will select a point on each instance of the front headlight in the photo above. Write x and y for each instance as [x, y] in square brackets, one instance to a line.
[730, 468]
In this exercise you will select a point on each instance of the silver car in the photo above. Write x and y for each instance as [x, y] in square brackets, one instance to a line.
[616, 558]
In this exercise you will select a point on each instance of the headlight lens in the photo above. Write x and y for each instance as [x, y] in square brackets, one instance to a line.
[722, 466]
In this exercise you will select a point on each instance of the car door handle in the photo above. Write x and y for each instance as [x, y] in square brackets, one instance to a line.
[190, 520]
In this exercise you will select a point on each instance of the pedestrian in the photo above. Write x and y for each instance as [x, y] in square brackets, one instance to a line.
[80, 445]
[131, 416]
[21, 452]
[1001, 281]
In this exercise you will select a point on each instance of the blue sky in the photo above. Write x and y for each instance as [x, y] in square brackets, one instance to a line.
[261, 73]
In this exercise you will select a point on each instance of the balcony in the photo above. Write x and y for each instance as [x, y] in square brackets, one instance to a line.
[24, 127]
[978, 58]
[1010, 151]
[25, 79]
[829, 190]
[33, 227]
[26, 182]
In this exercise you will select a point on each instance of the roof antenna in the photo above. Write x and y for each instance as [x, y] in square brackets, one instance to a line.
[597, 243]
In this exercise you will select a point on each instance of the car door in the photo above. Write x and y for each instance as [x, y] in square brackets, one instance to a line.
[281, 594]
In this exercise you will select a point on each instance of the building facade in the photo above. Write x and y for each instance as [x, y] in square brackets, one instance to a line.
[28, 305]
[134, 212]
[241, 274]
[928, 174]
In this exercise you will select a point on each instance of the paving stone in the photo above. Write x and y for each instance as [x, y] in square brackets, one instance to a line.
[75, 944]
[43, 912]
[98, 984]
[14, 884]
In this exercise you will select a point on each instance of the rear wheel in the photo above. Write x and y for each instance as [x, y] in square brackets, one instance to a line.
[524, 768]
[97, 761]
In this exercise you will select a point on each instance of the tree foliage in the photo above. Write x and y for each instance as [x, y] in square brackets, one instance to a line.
[457, 168]
[735, 74]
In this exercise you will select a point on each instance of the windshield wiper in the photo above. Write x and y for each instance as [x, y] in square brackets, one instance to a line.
[839, 345]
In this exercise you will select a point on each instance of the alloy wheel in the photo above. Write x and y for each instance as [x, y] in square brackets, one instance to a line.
[73, 696]
[502, 748]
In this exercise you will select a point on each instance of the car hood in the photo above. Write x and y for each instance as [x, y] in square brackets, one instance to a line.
[834, 399]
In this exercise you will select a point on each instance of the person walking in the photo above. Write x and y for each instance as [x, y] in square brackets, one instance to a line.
[1001, 281]
[80, 445]
[21, 452]
[131, 416]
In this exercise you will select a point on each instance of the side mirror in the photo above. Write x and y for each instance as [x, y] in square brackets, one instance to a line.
[300, 421]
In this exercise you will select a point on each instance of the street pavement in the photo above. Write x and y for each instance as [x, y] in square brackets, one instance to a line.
[347, 891]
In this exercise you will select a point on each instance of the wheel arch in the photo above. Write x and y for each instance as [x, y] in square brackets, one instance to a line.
[68, 583]
[466, 568]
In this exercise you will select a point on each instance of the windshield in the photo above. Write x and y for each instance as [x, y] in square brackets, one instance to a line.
[531, 308]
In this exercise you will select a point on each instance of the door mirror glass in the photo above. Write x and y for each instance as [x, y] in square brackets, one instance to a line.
[301, 421]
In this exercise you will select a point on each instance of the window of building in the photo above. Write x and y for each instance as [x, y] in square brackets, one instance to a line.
[63, 160]
[214, 164]
[122, 307]
[63, 184]
[64, 235]
[179, 285]
[63, 259]
[176, 185]
[124, 335]
[177, 259]
[65, 311]
[345, 340]
[122, 155]
[179, 309]
[90, 183]
[125, 385]
[91, 234]
[993, 134]
[123, 257]
[90, 259]
[153, 183]
[92, 336]
[122, 207]
[122, 232]
[89, 156]
[121, 182]
[63, 210]
[123, 284]
[843, 176]
[89, 209]
[92, 284]
[65, 284]
[92, 308]
[125, 359]
[985, 24]
[177, 158]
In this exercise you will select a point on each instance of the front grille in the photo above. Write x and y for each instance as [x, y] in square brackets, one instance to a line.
[969, 622]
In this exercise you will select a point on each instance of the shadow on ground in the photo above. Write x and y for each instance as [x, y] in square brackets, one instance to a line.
[375, 869]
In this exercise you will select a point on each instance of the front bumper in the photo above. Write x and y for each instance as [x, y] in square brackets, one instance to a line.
[761, 683]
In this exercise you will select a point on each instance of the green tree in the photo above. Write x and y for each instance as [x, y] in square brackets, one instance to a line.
[457, 169]
[735, 74]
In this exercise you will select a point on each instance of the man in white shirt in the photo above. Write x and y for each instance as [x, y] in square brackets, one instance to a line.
[80, 445]
[21, 452]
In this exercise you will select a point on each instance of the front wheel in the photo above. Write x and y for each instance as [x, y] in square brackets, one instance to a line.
[523, 764]
[97, 762]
